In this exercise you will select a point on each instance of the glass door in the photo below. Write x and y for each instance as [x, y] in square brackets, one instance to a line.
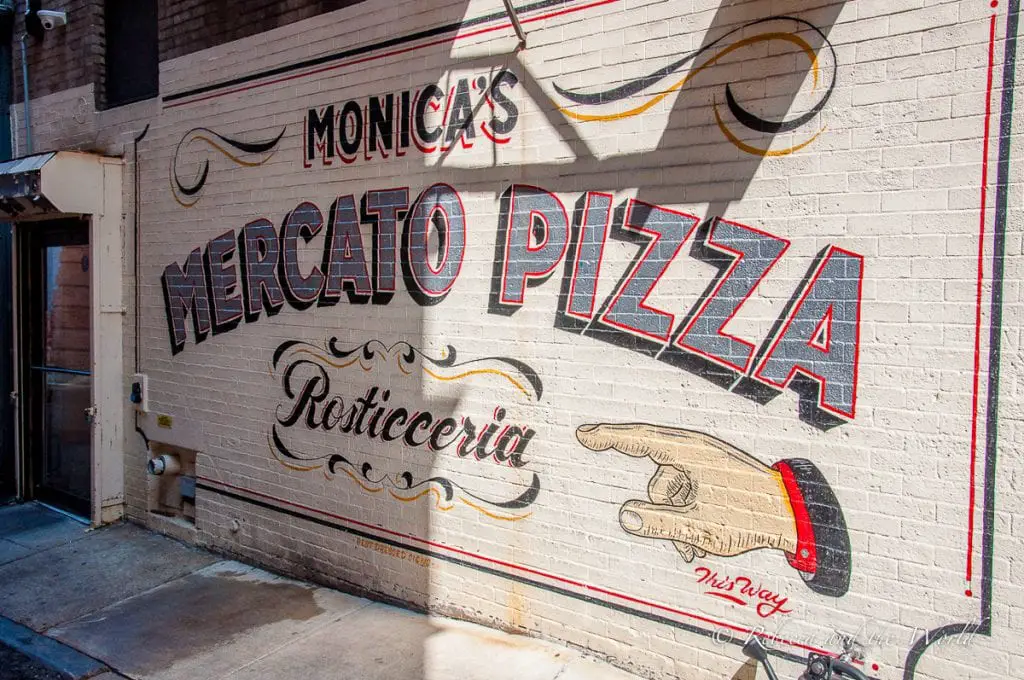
[57, 378]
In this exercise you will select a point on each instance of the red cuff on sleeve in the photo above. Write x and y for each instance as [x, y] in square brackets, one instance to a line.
[806, 557]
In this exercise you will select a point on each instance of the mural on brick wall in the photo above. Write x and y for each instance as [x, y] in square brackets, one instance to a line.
[499, 189]
[310, 403]
[816, 337]
[428, 119]
[705, 496]
[187, 192]
[619, 103]
[708, 497]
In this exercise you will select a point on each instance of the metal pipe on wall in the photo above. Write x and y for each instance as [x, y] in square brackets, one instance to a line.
[136, 259]
[24, 93]
[514, 18]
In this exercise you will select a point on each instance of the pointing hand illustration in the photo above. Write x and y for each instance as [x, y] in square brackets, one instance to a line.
[707, 496]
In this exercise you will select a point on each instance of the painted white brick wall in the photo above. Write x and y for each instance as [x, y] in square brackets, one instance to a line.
[894, 176]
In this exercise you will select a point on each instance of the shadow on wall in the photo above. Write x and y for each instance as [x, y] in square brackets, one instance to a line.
[392, 396]
[738, 100]
[723, 119]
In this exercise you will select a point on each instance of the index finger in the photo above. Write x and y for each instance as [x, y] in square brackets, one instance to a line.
[664, 445]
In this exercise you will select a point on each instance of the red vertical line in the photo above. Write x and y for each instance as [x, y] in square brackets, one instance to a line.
[977, 312]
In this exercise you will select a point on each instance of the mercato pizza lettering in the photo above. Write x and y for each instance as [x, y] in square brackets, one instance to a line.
[241, 276]
[428, 120]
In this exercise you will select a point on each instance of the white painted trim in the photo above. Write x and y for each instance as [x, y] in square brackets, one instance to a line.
[91, 186]
[108, 384]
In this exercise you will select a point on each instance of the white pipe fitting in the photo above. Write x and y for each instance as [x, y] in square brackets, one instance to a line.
[167, 464]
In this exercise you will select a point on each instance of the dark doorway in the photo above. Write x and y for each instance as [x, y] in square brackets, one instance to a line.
[56, 362]
[8, 483]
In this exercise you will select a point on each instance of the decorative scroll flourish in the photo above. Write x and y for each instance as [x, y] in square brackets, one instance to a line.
[445, 368]
[314, 406]
[711, 53]
[403, 486]
[186, 193]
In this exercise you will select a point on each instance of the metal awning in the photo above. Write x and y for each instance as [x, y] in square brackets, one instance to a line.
[48, 184]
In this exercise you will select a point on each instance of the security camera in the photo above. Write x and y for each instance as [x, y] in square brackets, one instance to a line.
[51, 20]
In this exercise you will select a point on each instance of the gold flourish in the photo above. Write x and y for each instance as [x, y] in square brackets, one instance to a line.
[356, 480]
[508, 518]
[405, 499]
[290, 466]
[437, 376]
[236, 159]
[757, 151]
[400, 364]
[479, 371]
[437, 498]
[325, 360]
[636, 111]
[221, 149]
[174, 192]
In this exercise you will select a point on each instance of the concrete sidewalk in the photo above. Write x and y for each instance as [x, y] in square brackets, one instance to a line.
[122, 601]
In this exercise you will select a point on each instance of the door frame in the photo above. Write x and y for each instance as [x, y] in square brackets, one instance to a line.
[30, 325]
[91, 186]
[8, 453]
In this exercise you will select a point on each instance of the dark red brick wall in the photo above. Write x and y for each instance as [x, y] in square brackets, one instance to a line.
[191, 25]
[72, 56]
[67, 57]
